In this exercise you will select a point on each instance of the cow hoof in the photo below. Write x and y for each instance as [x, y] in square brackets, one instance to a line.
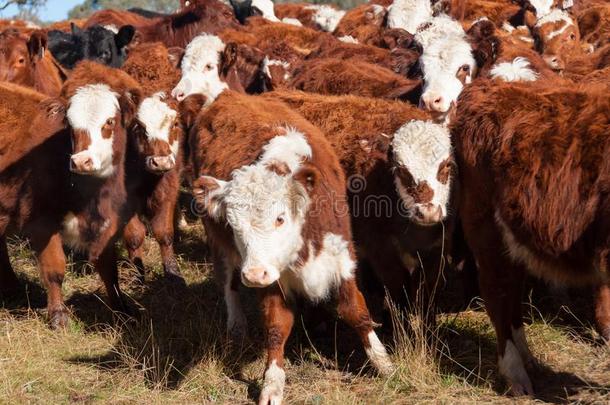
[173, 274]
[58, 319]
[520, 389]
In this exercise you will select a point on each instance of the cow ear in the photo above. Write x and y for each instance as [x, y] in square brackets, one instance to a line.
[485, 44]
[37, 45]
[124, 36]
[175, 55]
[129, 102]
[229, 55]
[309, 176]
[208, 193]
[190, 108]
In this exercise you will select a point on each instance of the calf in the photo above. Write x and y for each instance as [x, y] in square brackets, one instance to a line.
[71, 148]
[317, 16]
[400, 169]
[556, 37]
[533, 198]
[95, 43]
[24, 61]
[339, 77]
[272, 195]
[209, 67]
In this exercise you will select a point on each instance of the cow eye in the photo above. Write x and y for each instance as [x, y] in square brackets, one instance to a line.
[110, 122]
[208, 67]
[465, 68]
[279, 221]
[572, 37]
[21, 61]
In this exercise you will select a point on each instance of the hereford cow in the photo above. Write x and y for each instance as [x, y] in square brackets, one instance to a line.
[209, 67]
[557, 37]
[73, 149]
[405, 165]
[272, 195]
[94, 43]
[317, 16]
[24, 61]
[533, 198]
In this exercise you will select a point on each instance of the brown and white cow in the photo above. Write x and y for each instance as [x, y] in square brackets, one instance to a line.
[272, 195]
[400, 169]
[324, 17]
[24, 60]
[533, 198]
[72, 149]
[557, 38]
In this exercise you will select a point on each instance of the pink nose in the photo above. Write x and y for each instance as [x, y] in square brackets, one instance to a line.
[159, 163]
[433, 102]
[428, 214]
[81, 163]
[256, 277]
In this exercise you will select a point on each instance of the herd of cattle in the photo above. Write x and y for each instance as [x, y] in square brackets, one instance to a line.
[475, 132]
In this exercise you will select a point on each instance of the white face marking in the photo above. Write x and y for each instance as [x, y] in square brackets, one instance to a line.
[273, 386]
[511, 367]
[326, 17]
[200, 69]
[90, 108]
[274, 62]
[378, 355]
[542, 7]
[348, 39]
[421, 147]
[158, 119]
[322, 272]
[553, 17]
[516, 71]
[292, 21]
[266, 7]
[409, 14]
[446, 50]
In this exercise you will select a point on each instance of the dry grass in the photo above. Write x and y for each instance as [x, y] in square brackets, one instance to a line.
[177, 350]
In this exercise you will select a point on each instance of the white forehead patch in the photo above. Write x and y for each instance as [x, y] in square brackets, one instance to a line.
[91, 106]
[348, 39]
[516, 71]
[554, 16]
[291, 149]
[158, 119]
[409, 14]
[203, 50]
[326, 17]
[543, 7]
[421, 146]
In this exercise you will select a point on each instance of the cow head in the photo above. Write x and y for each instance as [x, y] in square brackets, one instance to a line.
[447, 64]
[409, 14]
[98, 116]
[556, 34]
[96, 43]
[201, 66]
[19, 56]
[423, 170]
[266, 205]
[157, 132]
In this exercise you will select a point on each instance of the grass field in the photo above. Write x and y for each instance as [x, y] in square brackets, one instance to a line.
[176, 351]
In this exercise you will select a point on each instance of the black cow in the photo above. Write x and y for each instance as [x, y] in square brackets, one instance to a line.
[96, 43]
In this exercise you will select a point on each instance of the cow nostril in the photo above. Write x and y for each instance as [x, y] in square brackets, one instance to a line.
[438, 100]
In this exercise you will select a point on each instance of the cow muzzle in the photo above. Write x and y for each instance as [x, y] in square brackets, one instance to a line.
[258, 276]
[82, 163]
[160, 164]
[428, 214]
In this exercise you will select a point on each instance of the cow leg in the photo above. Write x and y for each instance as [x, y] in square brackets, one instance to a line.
[602, 311]
[106, 266]
[134, 235]
[9, 284]
[237, 325]
[163, 230]
[424, 286]
[501, 284]
[52, 265]
[392, 273]
[278, 321]
[353, 311]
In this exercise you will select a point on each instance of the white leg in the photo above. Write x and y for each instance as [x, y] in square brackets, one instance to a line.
[522, 347]
[512, 369]
[273, 387]
[378, 355]
[237, 325]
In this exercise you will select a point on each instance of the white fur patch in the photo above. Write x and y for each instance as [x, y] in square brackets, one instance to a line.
[507, 27]
[112, 28]
[273, 386]
[89, 109]
[511, 367]
[158, 118]
[445, 50]
[378, 355]
[326, 17]
[348, 39]
[516, 71]
[266, 8]
[554, 16]
[322, 272]
[421, 147]
[274, 62]
[409, 14]
[292, 21]
[542, 7]
[291, 149]
[70, 233]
